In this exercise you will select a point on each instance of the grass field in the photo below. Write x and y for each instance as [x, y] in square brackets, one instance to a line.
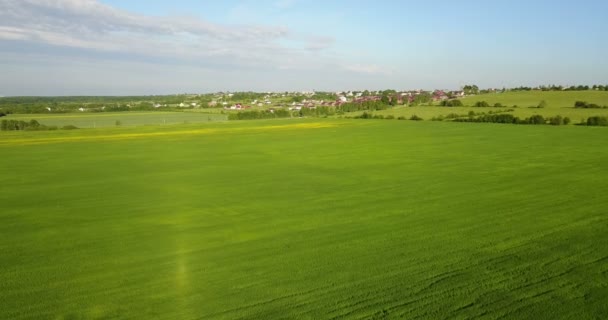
[109, 119]
[307, 219]
[554, 99]
[559, 103]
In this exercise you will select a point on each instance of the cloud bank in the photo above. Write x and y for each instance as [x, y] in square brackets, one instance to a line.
[91, 25]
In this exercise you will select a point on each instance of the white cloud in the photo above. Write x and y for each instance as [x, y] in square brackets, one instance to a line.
[89, 24]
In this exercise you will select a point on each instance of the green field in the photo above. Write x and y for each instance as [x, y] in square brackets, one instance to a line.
[554, 99]
[558, 103]
[109, 119]
[305, 219]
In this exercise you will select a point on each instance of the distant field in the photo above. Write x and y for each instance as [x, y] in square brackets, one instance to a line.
[554, 99]
[109, 119]
[559, 103]
[305, 219]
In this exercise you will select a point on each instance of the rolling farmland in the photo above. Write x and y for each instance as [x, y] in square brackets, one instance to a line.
[558, 103]
[305, 218]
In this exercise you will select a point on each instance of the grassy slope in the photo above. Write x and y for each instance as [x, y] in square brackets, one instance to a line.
[328, 219]
[554, 99]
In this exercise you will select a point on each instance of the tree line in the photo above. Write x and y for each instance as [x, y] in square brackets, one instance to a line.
[32, 125]
[260, 114]
[509, 118]
[586, 105]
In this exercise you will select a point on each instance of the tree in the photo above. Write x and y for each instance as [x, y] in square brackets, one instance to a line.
[470, 89]
[536, 119]
[385, 99]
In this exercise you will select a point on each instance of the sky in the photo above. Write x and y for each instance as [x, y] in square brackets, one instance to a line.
[145, 47]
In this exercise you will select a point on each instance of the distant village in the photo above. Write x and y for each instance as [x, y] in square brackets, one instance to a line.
[310, 99]
[294, 100]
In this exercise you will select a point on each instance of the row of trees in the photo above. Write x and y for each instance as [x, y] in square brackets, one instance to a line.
[548, 88]
[586, 105]
[596, 121]
[574, 88]
[451, 103]
[509, 118]
[362, 106]
[366, 115]
[32, 125]
[485, 104]
[257, 114]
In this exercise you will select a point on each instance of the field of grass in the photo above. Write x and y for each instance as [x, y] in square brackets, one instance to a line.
[109, 119]
[554, 99]
[558, 103]
[306, 219]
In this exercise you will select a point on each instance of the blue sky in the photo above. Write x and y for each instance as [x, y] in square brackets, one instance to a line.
[120, 47]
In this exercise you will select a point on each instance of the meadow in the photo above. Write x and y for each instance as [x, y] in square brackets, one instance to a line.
[558, 103]
[306, 219]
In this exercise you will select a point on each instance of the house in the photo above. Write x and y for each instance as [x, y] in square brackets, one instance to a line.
[439, 95]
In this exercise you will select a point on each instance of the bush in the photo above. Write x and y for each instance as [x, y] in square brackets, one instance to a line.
[266, 114]
[390, 117]
[556, 121]
[536, 119]
[585, 105]
[542, 104]
[365, 115]
[456, 103]
[69, 127]
[416, 118]
[451, 103]
[401, 118]
[14, 125]
[482, 104]
[597, 121]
